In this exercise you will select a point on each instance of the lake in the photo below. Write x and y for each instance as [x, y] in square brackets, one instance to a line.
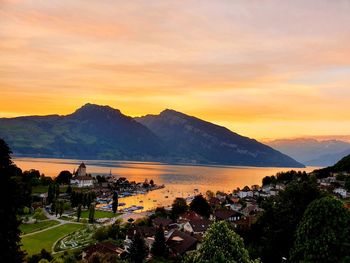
[179, 180]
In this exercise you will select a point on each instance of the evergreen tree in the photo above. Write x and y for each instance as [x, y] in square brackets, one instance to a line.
[57, 190]
[69, 189]
[11, 205]
[138, 249]
[92, 213]
[57, 207]
[78, 212]
[115, 202]
[159, 247]
[50, 193]
[61, 210]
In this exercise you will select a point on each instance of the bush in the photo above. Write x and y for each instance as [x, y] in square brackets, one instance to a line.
[39, 214]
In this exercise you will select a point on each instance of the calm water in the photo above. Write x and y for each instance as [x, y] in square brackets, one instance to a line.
[179, 180]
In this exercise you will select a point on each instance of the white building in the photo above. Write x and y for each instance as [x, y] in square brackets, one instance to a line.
[340, 191]
[81, 179]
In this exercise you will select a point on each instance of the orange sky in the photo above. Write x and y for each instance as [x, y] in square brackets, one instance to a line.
[263, 69]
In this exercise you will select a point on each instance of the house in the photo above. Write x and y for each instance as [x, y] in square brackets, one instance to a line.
[245, 193]
[180, 242]
[147, 232]
[102, 248]
[196, 226]
[161, 221]
[214, 202]
[189, 216]
[81, 179]
[227, 215]
[340, 191]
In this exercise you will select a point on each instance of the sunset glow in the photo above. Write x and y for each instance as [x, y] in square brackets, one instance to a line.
[263, 69]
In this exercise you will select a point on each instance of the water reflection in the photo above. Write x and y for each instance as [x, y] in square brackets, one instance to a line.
[179, 180]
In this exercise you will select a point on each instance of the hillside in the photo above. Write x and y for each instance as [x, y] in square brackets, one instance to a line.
[101, 132]
[191, 138]
[91, 132]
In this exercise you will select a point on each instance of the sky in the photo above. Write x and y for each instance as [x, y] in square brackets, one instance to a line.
[264, 69]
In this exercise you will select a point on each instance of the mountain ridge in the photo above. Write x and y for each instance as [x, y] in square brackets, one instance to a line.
[102, 132]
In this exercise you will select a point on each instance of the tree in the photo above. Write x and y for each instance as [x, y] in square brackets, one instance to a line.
[272, 236]
[69, 190]
[323, 235]
[50, 193]
[11, 204]
[57, 190]
[159, 247]
[138, 249]
[178, 207]
[92, 213]
[61, 210]
[220, 244]
[209, 194]
[200, 205]
[64, 177]
[115, 202]
[78, 213]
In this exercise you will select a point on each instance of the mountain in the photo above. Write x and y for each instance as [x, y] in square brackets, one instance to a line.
[341, 166]
[311, 151]
[92, 131]
[101, 132]
[189, 138]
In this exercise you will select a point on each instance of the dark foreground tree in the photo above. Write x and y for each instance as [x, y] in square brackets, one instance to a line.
[323, 235]
[138, 249]
[200, 205]
[115, 202]
[221, 245]
[92, 213]
[272, 237]
[159, 248]
[11, 204]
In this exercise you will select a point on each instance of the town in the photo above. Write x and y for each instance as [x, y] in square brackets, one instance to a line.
[95, 225]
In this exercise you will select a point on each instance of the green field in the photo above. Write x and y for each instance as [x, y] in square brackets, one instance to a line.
[39, 189]
[34, 243]
[29, 228]
[99, 214]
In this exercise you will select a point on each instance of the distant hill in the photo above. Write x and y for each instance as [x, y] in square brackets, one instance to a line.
[189, 138]
[101, 132]
[341, 166]
[311, 151]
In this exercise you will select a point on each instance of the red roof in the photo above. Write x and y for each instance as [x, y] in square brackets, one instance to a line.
[180, 242]
[103, 248]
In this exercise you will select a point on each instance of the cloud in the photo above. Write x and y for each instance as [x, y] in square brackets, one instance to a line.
[234, 62]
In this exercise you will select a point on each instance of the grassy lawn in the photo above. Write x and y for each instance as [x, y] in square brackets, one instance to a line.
[39, 189]
[99, 214]
[29, 228]
[34, 243]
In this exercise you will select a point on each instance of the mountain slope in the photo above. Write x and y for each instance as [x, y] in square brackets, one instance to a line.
[191, 138]
[91, 132]
[312, 152]
[341, 166]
